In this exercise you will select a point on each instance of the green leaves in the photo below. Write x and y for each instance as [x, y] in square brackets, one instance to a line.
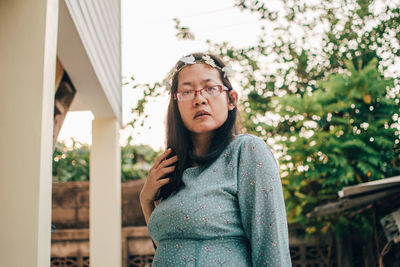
[136, 161]
[349, 142]
[183, 33]
[329, 112]
[72, 163]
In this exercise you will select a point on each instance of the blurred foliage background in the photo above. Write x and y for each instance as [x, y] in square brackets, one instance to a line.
[321, 87]
[71, 163]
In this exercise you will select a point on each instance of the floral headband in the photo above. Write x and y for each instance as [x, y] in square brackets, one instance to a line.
[190, 60]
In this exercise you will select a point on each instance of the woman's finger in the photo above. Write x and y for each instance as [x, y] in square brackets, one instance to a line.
[162, 172]
[168, 162]
[163, 182]
[162, 157]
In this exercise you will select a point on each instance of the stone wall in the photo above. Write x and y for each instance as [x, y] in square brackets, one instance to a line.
[70, 216]
[70, 208]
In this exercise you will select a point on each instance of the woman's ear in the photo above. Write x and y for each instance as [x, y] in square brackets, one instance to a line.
[233, 99]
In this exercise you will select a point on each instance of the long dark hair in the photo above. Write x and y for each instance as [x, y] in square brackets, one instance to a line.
[179, 138]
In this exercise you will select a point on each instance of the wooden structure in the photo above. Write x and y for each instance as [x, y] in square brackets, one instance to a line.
[63, 99]
[360, 195]
[370, 187]
[379, 197]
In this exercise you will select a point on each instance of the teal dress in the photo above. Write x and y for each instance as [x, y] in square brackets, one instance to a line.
[230, 214]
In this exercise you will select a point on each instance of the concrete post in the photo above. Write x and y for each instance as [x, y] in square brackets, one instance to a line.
[28, 45]
[105, 194]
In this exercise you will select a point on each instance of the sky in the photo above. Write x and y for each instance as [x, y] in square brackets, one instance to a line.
[150, 49]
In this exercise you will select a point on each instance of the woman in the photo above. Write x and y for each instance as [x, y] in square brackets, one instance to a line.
[221, 195]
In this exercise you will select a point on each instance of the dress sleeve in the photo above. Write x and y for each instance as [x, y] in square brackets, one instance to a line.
[261, 203]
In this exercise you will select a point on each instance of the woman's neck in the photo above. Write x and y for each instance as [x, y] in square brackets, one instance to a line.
[201, 143]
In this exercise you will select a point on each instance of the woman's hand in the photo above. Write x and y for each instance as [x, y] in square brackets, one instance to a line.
[156, 178]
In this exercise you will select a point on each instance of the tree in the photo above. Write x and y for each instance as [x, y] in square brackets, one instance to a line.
[346, 135]
[321, 87]
[315, 109]
[136, 161]
[72, 163]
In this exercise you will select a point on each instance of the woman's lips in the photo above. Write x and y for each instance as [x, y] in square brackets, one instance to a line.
[201, 114]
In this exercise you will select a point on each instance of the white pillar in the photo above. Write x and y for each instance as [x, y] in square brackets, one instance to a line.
[28, 44]
[105, 194]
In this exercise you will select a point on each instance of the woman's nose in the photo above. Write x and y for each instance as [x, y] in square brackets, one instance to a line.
[199, 99]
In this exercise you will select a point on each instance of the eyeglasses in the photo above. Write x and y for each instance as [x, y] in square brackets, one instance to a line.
[206, 92]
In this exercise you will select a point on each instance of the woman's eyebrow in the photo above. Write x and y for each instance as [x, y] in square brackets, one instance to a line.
[203, 82]
[207, 80]
[186, 83]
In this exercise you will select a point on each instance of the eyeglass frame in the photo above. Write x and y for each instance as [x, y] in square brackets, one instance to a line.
[199, 91]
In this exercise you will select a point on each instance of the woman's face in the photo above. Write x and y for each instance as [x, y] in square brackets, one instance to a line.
[214, 108]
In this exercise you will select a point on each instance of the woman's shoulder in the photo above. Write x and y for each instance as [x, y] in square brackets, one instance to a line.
[254, 151]
[252, 145]
[248, 139]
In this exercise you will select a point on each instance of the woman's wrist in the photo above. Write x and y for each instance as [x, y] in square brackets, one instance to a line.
[147, 208]
[146, 202]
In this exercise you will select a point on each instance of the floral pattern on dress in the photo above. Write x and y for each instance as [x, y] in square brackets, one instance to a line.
[230, 214]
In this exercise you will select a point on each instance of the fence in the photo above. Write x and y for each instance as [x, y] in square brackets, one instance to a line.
[70, 241]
